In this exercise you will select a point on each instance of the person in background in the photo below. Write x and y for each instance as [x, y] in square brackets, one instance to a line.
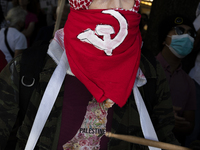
[46, 33]
[11, 4]
[177, 38]
[31, 18]
[194, 73]
[3, 22]
[101, 83]
[16, 41]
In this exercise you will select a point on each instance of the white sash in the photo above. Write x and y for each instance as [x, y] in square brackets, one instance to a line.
[53, 89]
[145, 121]
[47, 102]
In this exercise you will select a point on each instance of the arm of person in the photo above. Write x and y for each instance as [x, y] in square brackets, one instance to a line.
[20, 45]
[184, 125]
[28, 32]
[162, 116]
[9, 100]
[17, 52]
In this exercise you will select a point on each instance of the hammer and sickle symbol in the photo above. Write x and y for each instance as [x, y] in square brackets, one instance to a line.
[107, 44]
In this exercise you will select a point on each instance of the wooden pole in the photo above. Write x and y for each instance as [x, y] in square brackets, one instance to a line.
[146, 142]
[61, 4]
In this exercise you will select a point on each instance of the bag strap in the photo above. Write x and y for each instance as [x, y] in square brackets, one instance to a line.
[47, 102]
[31, 64]
[8, 47]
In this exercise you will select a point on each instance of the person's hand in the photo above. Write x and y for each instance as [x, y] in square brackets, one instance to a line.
[179, 121]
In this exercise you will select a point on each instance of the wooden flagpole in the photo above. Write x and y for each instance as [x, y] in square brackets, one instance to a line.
[61, 4]
[146, 142]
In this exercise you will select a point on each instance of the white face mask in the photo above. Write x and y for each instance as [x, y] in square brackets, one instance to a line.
[181, 45]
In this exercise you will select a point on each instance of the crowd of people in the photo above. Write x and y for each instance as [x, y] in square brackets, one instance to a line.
[96, 77]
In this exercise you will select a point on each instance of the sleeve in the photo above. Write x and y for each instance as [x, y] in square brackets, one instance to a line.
[9, 99]
[35, 19]
[163, 115]
[21, 42]
[30, 17]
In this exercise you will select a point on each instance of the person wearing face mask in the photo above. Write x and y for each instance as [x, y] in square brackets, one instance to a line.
[177, 37]
[94, 80]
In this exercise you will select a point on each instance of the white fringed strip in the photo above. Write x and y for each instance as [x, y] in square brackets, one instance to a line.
[145, 121]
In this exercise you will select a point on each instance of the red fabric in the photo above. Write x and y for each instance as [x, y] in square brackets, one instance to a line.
[3, 62]
[76, 99]
[104, 76]
[30, 17]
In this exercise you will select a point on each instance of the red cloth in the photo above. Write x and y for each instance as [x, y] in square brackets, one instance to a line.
[30, 17]
[3, 62]
[104, 76]
[76, 99]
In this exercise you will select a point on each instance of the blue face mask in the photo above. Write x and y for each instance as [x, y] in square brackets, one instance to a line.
[181, 45]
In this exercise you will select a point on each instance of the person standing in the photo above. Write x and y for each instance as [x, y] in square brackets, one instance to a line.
[99, 77]
[12, 41]
[31, 19]
[177, 37]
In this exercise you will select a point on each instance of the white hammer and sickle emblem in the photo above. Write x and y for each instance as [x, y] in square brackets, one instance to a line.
[107, 44]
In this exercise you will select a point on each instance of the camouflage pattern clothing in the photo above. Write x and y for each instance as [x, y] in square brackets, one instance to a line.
[125, 119]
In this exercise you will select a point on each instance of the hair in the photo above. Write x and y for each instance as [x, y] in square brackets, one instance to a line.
[15, 15]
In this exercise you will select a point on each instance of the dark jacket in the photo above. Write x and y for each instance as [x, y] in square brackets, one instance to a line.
[125, 119]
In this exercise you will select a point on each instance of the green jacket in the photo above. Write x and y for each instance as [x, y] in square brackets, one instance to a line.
[125, 119]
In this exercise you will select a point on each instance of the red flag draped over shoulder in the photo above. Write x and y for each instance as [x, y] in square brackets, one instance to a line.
[103, 50]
